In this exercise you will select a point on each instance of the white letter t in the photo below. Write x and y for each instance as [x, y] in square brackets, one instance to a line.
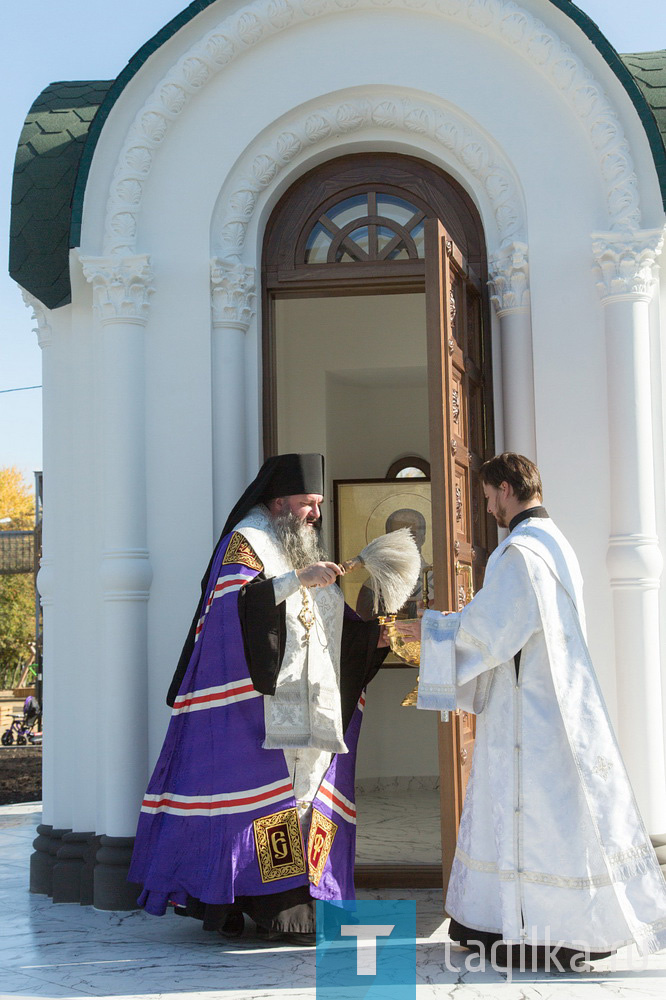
[366, 957]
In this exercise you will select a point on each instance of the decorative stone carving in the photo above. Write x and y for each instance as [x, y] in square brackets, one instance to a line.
[43, 329]
[233, 293]
[509, 278]
[625, 264]
[244, 28]
[314, 124]
[121, 287]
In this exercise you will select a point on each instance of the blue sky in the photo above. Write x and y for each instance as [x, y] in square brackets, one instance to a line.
[48, 40]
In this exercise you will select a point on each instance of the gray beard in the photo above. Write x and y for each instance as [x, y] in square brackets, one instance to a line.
[301, 542]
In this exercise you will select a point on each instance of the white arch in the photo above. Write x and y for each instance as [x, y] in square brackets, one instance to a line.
[245, 28]
[353, 113]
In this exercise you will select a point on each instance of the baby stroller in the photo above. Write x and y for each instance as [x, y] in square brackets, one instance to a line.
[24, 727]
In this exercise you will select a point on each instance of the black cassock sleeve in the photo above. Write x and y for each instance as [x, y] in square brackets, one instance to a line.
[264, 628]
[359, 660]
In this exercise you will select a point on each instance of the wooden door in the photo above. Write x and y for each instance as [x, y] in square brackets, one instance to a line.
[459, 442]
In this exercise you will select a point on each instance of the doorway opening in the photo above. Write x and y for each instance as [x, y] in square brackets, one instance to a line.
[376, 347]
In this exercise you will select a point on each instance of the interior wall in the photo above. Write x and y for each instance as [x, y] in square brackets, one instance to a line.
[352, 384]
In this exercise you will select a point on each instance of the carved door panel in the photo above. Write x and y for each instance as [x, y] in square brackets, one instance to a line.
[454, 308]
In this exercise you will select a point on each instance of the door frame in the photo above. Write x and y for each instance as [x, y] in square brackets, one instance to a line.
[285, 275]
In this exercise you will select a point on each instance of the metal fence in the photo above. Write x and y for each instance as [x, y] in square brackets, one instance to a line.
[17, 552]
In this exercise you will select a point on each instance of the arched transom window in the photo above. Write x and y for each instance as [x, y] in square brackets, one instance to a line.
[372, 226]
[361, 219]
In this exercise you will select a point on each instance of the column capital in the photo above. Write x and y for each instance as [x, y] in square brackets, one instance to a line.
[233, 294]
[43, 329]
[121, 287]
[624, 265]
[509, 278]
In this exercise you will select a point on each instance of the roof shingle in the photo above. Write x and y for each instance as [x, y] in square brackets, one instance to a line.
[45, 171]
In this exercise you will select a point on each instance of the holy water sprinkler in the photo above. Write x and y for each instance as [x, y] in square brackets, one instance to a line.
[393, 562]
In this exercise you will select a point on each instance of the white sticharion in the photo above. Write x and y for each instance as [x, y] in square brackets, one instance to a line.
[550, 837]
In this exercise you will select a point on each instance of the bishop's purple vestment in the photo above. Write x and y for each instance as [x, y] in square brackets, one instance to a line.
[219, 821]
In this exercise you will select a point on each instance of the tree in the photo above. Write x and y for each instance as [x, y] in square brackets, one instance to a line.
[17, 625]
[17, 501]
[17, 591]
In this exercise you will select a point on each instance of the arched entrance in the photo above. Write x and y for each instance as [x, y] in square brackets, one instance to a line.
[376, 346]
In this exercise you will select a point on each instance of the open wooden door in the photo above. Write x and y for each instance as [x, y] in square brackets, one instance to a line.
[458, 446]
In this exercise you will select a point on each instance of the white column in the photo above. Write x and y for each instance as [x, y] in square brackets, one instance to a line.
[121, 288]
[233, 301]
[509, 293]
[55, 789]
[625, 279]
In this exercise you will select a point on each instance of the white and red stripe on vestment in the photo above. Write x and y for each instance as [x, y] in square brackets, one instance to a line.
[215, 697]
[219, 805]
[224, 586]
[337, 801]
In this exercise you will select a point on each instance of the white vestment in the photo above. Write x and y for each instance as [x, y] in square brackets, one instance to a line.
[551, 846]
[305, 710]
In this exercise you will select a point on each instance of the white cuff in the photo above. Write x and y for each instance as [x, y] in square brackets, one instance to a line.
[284, 586]
[437, 673]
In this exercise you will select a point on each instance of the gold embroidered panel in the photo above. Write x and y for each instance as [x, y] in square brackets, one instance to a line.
[320, 841]
[279, 845]
[240, 551]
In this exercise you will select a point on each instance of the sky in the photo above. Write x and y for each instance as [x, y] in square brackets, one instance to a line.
[48, 40]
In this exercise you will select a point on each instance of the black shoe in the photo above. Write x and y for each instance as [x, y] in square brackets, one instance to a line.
[302, 938]
[575, 961]
[233, 926]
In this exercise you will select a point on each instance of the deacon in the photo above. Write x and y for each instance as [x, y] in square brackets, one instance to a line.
[551, 848]
[250, 808]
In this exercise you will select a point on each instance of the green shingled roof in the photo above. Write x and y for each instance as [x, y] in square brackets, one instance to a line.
[62, 128]
[47, 163]
[649, 71]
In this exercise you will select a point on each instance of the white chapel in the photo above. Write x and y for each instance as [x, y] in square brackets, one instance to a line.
[407, 234]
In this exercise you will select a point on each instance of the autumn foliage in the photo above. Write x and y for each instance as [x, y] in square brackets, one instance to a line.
[17, 594]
